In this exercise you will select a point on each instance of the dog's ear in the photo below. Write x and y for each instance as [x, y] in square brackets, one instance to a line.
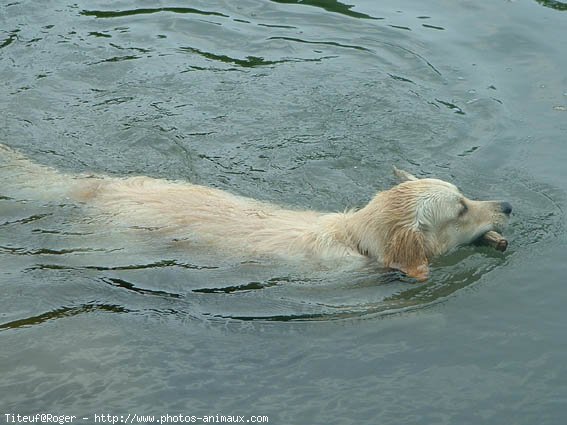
[404, 176]
[406, 252]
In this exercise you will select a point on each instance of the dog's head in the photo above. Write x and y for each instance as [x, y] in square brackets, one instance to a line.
[421, 218]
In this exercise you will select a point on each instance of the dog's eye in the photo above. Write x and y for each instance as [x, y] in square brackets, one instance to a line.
[464, 209]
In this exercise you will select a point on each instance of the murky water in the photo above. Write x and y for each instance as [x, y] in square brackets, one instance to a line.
[302, 103]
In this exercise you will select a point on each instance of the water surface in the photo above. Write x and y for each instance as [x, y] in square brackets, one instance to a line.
[307, 104]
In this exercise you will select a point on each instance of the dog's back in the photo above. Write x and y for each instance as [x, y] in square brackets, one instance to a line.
[211, 216]
[200, 215]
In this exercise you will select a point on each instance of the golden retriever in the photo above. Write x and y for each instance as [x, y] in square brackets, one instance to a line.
[401, 228]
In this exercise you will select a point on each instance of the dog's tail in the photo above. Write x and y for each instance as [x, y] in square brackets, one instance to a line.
[24, 179]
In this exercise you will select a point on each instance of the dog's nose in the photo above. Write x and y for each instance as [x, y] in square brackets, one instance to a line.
[506, 208]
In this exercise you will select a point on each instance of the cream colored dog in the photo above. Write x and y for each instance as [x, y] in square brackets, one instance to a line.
[402, 228]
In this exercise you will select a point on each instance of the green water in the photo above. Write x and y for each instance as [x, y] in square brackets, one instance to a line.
[307, 104]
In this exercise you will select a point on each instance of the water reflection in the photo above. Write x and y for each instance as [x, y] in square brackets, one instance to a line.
[249, 61]
[329, 6]
[553, 4]
[61, 313]
[327, 43]
[147, 11]
[11, 38]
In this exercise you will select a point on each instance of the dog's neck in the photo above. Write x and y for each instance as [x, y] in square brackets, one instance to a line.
[363, 235]
[352, 230]
[372, 232]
